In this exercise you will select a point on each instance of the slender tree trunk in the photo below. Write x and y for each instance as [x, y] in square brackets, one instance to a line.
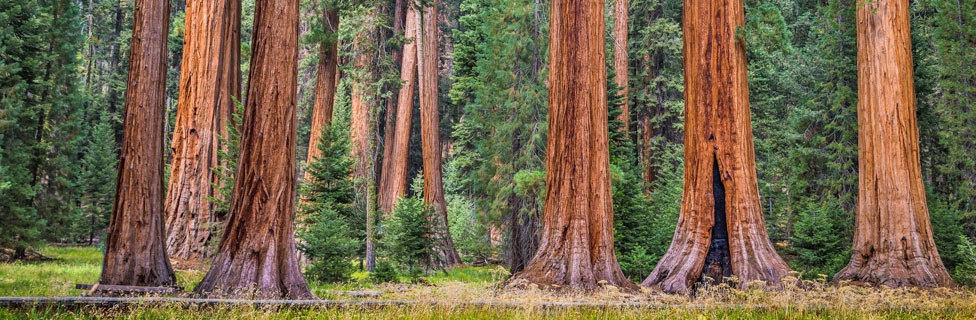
[325, 88]
[647, 154]
[257, 250]
[232, 68]
[399, 16]
[209, 85]
[893, 242]
[720, 173]
[135, 251]
[620, 57]
[576, 249]
[430, 133]
[362, 141]
[393, 182]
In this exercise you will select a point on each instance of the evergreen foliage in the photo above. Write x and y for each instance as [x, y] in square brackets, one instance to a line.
[97, 178]
[330, 228]
[409, 236]
[500, 54]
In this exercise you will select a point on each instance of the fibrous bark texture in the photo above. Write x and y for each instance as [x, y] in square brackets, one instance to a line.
[389, 124]
[620, 57]
[209, 86]
[430, 133]
[393, 182]
[893, 242]
[718, 132]
[135, 251]
[576, 249]
[325, 88]
[257, 251]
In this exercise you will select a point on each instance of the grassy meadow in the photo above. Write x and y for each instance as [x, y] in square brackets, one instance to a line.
[449, 296]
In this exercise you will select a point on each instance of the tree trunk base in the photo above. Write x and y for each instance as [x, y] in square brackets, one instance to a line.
[875, 272]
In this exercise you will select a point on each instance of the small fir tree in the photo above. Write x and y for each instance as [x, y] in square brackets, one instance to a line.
[328, 212]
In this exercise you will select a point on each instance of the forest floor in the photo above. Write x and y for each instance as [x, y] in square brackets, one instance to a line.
[460, 293]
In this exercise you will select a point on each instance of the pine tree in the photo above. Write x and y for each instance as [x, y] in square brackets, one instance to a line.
[500, 57]
[632, 234]
[97, 178]
[21, 63]
[823, 160]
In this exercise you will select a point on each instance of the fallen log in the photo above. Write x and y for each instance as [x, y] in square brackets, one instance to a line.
[109, 302]
[118, 289]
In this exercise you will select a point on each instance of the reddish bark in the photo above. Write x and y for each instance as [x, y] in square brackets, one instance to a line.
[893, 242]
[430, 132]
[720, 168]
[393, 182]
[325, 88]
[257, 250]
[209, 86]
[399, 15]
[135, 251]
[620, 57]
[576, 249]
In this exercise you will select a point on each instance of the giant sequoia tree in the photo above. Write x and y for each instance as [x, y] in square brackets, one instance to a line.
[325, 85]
[209, 86]
[576, 249]
[720, 231]
[430, 133]
[135, 251]
[258, 245]
[620, 57]
[893, 242]
[393, 182]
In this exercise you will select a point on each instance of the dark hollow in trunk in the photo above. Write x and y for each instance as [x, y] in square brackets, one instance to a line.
[718, 263]
[718, 136]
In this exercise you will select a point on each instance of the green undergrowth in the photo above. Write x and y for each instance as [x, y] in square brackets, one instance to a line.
[71, 265]
[457, 294]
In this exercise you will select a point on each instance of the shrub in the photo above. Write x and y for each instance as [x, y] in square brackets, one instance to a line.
[409, 234]
[384, 272]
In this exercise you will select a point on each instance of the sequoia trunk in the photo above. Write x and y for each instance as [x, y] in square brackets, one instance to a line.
[325, 87]
[720, 168]
[430, 133]
[620, 58]
[257, 250]
[135, 250]
[209, 86]
[893, 242]
[576, 249]
[393, 183]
